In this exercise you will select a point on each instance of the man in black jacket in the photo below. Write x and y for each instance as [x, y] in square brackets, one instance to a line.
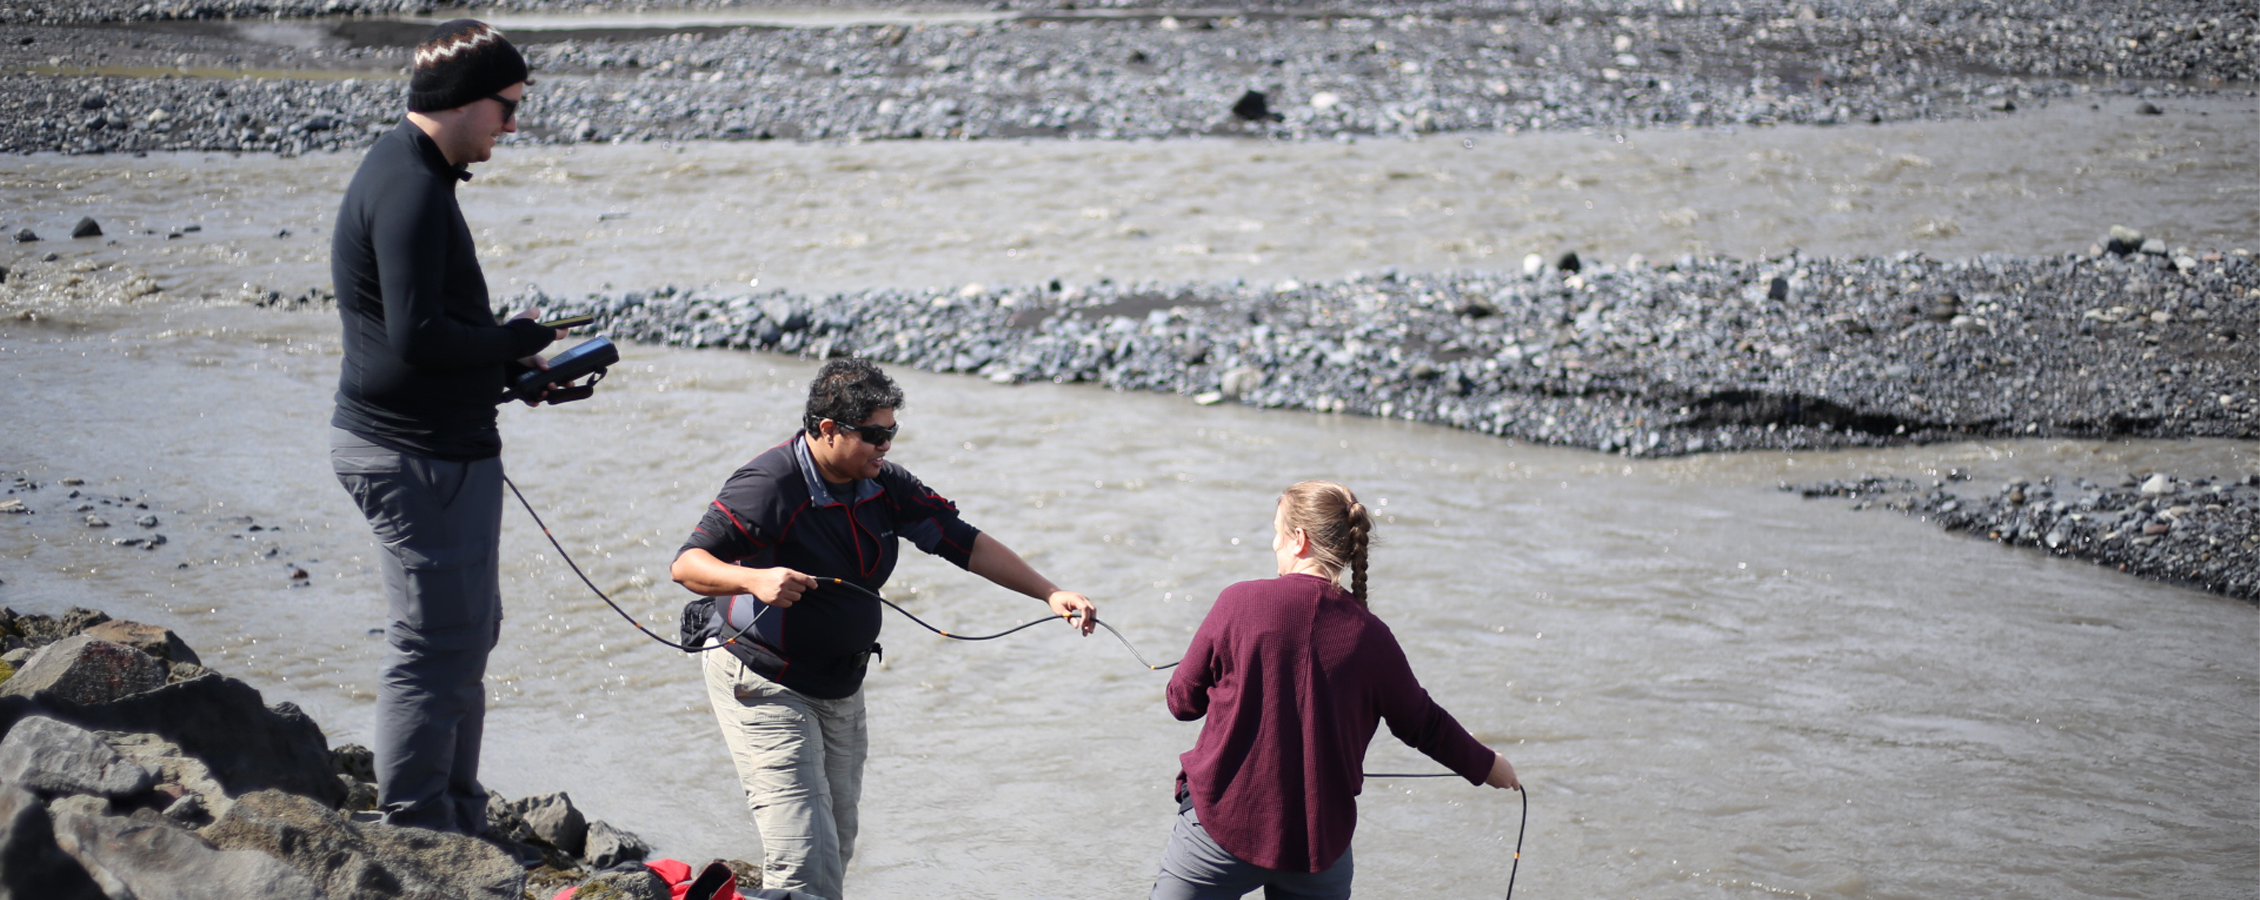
[414, 439]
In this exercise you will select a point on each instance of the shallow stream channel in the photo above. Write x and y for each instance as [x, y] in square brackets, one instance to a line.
[1713, 687]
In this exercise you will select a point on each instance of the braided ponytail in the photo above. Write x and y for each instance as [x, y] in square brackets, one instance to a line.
[1361, 534]
[1339, 527]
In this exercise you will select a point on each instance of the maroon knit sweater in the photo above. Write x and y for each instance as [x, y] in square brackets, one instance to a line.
[1294, 676]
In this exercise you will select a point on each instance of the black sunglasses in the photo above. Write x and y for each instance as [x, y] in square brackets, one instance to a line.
[509, 107]
[875, 435]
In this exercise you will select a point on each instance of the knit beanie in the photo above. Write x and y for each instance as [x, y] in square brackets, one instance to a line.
[461, 62]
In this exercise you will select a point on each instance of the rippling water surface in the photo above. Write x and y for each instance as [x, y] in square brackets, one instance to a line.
[938, 213]
[1713, 688]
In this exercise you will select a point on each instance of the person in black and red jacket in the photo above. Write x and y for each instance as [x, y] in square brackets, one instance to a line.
[788, 694]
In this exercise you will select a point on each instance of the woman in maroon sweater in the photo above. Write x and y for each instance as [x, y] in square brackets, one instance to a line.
[1294, 675]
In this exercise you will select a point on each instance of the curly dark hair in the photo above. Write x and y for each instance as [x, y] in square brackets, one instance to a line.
[849, 391]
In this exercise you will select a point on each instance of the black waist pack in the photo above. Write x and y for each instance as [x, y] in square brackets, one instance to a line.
[701, 627]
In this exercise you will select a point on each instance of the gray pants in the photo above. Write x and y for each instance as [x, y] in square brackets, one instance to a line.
[440, 524]
[800, 761]
[1195, 867]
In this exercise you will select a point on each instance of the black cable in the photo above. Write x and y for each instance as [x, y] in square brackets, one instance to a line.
[1521, 830]
[599, 592]
[990, 637]
[922, 623]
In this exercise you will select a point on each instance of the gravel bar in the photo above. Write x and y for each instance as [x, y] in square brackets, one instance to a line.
[1691, 356]
[92, 78]
[2198, 531]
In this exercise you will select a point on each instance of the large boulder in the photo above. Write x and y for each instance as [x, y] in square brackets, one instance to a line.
[147, 860]
[32, 867]
[367, 861]
[157, 641]
[86, 670]
[60, 758]
[248, 745]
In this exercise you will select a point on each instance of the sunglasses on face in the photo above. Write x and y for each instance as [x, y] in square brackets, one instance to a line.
[875, 435]
[509, 107]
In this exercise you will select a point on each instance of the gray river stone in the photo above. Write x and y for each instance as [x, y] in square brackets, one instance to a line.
[157, 641]
[366, 861]
[86, 670]
[553, 818]
[60, 758]
[609, 846]
[623, 884]
[32, 867]
[176, 772]
[145, 860]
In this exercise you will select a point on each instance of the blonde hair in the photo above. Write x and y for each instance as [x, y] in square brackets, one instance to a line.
[1339, 528]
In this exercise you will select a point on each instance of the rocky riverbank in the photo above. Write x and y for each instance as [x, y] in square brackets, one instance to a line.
[1693, 355]
[128, 78]
[2199, 531]
[129, 769]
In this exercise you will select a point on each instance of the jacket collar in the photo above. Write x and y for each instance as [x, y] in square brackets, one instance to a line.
[429, 150]
[820, 491]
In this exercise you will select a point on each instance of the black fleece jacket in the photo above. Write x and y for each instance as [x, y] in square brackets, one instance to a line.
[425, 358]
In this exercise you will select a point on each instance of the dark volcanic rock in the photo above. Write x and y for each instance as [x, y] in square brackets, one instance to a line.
[1252, 107]
[249, 745]
[86, 228]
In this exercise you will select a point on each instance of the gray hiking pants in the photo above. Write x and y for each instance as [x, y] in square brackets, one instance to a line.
[800, 761]
[440, 524]
[1195, 867]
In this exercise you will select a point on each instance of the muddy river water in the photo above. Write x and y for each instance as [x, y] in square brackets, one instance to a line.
[1713, 688]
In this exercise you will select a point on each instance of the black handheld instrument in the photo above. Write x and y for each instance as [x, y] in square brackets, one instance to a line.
[590, 357]
[569, 321]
